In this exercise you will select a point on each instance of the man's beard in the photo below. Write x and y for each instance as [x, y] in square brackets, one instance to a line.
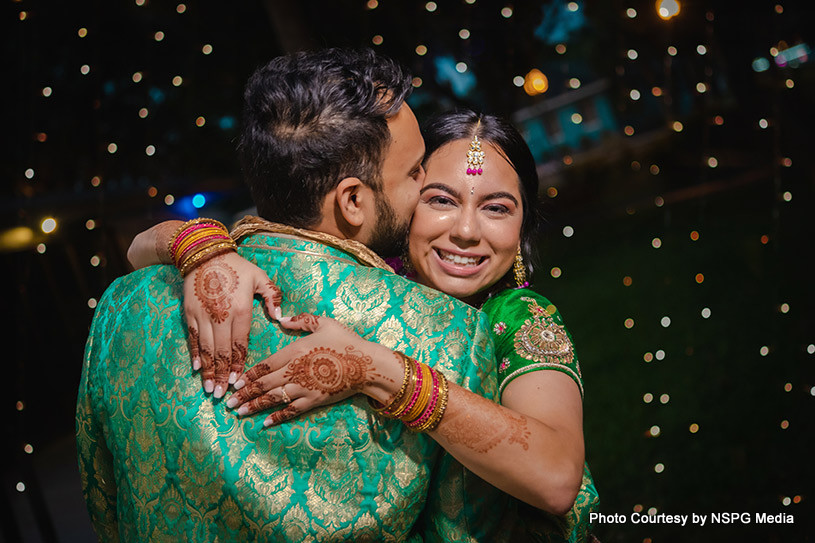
[390, 235]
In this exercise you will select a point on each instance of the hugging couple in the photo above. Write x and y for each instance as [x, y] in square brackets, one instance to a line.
[339, 400]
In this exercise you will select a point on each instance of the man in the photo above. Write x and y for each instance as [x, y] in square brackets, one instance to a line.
[331, 150]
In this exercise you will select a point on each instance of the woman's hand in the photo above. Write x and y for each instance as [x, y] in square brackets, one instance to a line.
[218, 309]
[329, 365]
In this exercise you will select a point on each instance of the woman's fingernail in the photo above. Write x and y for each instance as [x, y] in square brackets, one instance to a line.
[233, 377]
[278, 312]
[268, 422]
[209, 386]
[232, 402]
[219, 391]
[243, 410]
[239, 384]
[196, 363]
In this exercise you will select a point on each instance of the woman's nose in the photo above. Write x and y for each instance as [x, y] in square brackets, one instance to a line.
[466, 227]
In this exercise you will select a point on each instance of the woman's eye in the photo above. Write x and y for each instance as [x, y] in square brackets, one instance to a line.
[497, 208]
[440, 201]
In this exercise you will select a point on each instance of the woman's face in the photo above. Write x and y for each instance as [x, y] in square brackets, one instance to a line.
[466, 229]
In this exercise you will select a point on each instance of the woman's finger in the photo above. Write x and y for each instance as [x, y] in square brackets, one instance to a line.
[304, 322]
[223, 357]
[300, 405]
[192, 340]
[272, 297]
[206, 346]
[272, 398]
[241, 325]
[247, 389]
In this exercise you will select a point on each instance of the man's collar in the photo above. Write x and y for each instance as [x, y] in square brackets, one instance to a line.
[255, 225]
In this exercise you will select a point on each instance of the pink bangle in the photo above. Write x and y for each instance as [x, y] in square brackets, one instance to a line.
[187, 231]
[431, 406]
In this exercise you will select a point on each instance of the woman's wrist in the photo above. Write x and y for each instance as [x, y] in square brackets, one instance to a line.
[163, 234]
[387, 377]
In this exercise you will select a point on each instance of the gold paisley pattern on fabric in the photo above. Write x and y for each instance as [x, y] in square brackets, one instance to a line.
[363, 302]
[427, 305]
[162, 461]
[392, 334]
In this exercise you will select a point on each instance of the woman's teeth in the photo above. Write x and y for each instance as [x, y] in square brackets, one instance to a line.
[457, 259]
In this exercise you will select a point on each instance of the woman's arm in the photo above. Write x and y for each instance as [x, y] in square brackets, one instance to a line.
[531, 449]
[152, 246]
[218, 297]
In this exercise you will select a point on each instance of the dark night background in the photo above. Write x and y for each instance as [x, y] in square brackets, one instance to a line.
[677, 179]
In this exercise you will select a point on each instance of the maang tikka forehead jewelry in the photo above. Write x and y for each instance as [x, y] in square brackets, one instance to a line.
[475, 156]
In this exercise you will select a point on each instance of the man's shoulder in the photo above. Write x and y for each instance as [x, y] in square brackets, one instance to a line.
[381, 291]
[148, 289]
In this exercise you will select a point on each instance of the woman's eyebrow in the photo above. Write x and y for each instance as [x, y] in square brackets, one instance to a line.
[496, 195]
[441, 186]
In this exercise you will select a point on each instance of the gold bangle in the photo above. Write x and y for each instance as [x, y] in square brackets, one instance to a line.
[206, 254]
[406, 363]
[399, 409]
[440, 407]
[188, 224]
[197, 235]
[424, 396]
[421, 421]
[199, 256]
[198, 244]
[202, 249]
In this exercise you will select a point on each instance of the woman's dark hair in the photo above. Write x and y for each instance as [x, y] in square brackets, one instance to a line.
[312, 119]
[463, 125]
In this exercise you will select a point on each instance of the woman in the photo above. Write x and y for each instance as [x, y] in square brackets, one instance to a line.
[471, 237]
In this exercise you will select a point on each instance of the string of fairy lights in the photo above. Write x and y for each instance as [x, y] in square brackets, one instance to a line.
[533, 82]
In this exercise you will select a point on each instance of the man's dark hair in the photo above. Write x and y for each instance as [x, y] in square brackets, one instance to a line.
[463, 125]
[312, 119]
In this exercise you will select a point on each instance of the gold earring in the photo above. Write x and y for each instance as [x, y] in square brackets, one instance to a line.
[519, 270]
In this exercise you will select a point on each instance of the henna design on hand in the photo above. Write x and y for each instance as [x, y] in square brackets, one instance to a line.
[288, 412]
[238, 356]
[207, 368]
[330, 372]
[277, 294]
[193, 339]
[477, 425]
[215, 283]
[222, 363]
[310, 321]
[262, 403]
[258, 370]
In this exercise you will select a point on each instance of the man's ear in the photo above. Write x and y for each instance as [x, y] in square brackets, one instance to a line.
[351, 198]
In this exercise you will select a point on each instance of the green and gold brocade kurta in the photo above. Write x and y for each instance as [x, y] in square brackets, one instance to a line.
[529, 335]
[162, 461]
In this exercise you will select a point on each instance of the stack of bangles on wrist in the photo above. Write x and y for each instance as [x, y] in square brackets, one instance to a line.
[197, 241]
[421, 401]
